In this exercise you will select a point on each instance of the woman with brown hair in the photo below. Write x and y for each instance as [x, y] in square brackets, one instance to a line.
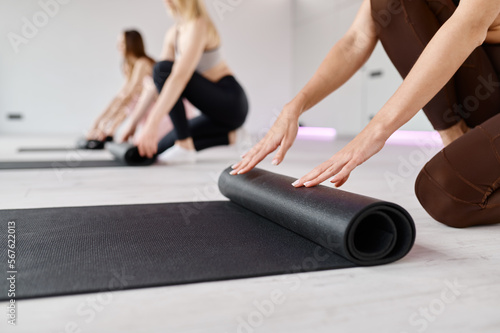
[194, 70]
[448, 51]
[136, 96]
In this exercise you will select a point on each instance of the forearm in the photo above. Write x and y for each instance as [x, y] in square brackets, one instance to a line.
[168, 97]
[106, 113]
[441, 59]
[115, 123]
[147, 98]
[341, 63]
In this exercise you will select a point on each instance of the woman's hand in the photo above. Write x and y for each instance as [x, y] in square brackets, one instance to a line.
[148, 141]
[128, 132]
[340, 165]
[282, 134]
[96, 133]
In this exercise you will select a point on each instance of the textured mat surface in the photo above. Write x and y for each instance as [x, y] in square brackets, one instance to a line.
[63, 251]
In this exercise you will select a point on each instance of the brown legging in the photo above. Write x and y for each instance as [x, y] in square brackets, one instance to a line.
[459, 186]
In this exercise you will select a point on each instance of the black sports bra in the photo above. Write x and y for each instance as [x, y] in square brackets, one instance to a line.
[456, 2]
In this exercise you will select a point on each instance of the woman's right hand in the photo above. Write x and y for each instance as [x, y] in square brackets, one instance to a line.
[281, 135]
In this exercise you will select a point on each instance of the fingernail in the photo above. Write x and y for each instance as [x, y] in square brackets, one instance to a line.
[234, 166]
[275, 162]
[295, 183]
[239, 173]
[307, 184]
[233, 173]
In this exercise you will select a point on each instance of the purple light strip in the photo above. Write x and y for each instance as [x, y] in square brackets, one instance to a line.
[317, 133]
[399, 138]
[415, 138]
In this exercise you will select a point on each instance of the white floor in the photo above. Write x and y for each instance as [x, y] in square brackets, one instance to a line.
[450, 282]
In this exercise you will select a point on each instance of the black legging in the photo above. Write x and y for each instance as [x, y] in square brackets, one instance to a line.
[223, 104]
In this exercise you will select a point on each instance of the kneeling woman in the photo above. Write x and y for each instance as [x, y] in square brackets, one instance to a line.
[194, 70]
[450, 58]
[136, 96]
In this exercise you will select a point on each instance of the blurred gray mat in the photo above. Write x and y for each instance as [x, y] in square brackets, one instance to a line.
[124, 155]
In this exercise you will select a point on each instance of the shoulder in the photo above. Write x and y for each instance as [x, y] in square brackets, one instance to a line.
[170, 35]
[142, 63]
[143, 66]
[198, 25]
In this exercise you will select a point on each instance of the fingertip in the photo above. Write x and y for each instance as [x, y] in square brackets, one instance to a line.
[275, 162]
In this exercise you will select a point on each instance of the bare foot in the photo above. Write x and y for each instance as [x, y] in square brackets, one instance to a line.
[187, 144]
[451, 134]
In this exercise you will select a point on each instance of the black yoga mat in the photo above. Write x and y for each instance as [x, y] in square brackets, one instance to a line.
[267, 228]
[125, 155]
[81, 144]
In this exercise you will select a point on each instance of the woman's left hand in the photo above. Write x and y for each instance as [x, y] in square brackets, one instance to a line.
[148, 142]
[340, 165]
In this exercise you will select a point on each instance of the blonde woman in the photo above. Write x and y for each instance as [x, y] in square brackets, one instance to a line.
[195, 70]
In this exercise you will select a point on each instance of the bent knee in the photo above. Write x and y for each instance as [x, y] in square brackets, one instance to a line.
[161, 72]
[440, 205]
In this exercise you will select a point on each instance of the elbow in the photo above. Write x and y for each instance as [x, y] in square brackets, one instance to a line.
[478, 35]
[358, 45]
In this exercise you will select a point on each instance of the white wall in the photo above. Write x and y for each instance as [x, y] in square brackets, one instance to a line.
[67, 73]
[318, 25]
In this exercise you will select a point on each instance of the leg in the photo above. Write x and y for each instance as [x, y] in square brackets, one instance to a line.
[460, 186]
[161, 72]
[405, 28]
[224, 103]
[206, 134]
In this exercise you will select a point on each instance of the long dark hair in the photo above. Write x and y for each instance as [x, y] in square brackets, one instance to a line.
[134, 48]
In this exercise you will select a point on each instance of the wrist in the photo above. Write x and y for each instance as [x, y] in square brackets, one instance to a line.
[296, 107]
[379, 130]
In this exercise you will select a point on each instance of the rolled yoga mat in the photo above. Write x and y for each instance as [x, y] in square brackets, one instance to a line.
[267, 228]
[124, 155]
[81, 144]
